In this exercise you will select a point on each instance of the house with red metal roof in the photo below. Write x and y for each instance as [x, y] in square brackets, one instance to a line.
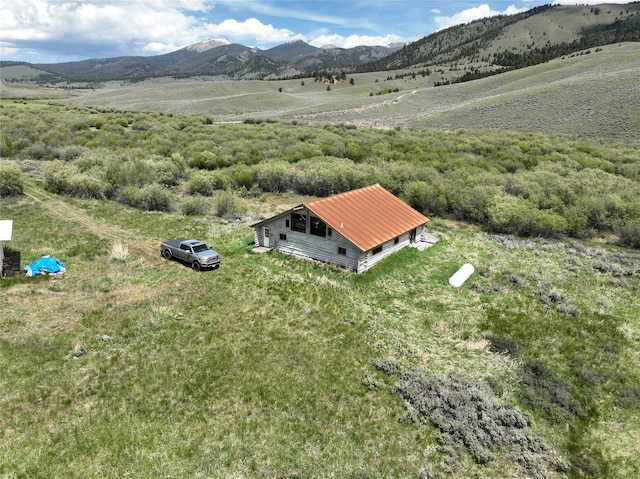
[354, 230]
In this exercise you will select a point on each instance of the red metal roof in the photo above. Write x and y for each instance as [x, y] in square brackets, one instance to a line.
[368, 216]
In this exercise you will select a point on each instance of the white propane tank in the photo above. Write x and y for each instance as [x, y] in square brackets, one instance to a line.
[461, 275]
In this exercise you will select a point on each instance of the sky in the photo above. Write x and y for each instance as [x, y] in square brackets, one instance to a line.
[53, 31]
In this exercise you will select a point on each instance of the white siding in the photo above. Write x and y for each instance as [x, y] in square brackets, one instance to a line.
[324, 249]
[368, 259]
[307, 245]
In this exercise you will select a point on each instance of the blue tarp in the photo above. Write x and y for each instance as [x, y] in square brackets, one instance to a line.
[45, 265]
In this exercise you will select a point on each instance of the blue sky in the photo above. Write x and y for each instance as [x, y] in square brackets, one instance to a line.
[54, 31]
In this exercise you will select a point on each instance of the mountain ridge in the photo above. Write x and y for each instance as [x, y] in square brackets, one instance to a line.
[479, 48]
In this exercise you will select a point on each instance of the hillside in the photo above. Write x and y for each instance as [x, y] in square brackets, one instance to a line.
[589, 94]
[514, 41]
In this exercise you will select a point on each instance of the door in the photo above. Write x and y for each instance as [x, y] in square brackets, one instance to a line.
[265, 236]
[184, 252]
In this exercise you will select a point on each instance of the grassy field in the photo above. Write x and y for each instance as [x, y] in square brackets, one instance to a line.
[588, 95]
[276, 367]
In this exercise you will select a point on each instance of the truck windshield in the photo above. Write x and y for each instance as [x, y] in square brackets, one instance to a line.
[199, 248]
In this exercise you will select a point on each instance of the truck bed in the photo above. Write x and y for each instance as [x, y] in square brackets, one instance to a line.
[172, 243]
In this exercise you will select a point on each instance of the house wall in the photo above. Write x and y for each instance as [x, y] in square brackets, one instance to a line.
[307, 245]
[324, 249]
[1, 258]
[368, 259]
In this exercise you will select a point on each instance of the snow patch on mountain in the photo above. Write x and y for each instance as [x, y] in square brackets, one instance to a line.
[207, 45]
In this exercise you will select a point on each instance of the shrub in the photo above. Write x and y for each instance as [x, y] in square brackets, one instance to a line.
[123, 172]
[323, 176]
[6, 146]
[151, 198]
[79, 125]
[629, 234]
[567, 308]
[506, 215]
[473, 203]
[542, 391]
[587, 466]
[227, 203]
[387, 365]
[429, 198]
[169, 172]
[503, 344]
[199, 185]
[11, 181]
[196, 205]
[514, 215]
[57, 177]
[85, 186]
[244, 178]
[70, 152]
[37, 151]
[274, 177]
[63, 179]
[629, 397]
[207, 160]
[468, 417]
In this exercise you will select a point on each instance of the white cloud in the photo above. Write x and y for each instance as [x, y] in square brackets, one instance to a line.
[353, 40]
[97, 28]
[475, 13]
[114, 27]
[251, 28]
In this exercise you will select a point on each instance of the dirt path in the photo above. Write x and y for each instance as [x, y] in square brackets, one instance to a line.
[95, 226]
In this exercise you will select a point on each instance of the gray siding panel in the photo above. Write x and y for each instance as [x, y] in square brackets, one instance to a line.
[368, 259]
[308, 246]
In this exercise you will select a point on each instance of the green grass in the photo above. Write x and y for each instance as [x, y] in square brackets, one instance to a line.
[263, 368]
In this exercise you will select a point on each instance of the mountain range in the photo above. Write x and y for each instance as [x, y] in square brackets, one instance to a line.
[216, 58]
[478, 48]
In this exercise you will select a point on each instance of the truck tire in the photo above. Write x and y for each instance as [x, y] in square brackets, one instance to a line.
[196, 266]
[166, 254]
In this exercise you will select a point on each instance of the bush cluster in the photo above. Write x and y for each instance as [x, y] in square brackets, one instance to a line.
[510, 183]
[152, 197]
[11, 180]
[541, 390]
[469, 417]
[62, 178]
[227, 203]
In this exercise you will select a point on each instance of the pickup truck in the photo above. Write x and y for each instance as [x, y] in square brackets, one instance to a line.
[194, 252]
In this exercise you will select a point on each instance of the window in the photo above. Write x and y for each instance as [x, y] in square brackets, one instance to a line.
[287, 223]
[342, 250]
[329, 232]
[397, 240]
[377, 249]
[200, 248]
[299, 222]
[318, 227]
[283, 237]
